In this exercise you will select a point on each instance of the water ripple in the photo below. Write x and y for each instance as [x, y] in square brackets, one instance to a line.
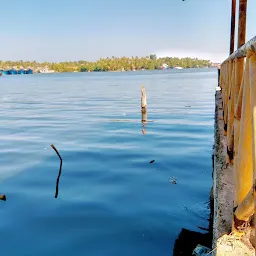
[110, 196]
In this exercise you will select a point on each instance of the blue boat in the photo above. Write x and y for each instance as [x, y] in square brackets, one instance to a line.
[13, 72]
[5, 72]
[16, 72]
[29, 71]
[21, 72]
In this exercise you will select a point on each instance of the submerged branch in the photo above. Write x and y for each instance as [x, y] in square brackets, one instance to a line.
[58, 178]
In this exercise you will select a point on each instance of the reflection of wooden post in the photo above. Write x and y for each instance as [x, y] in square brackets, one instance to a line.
[144, 121]
[143, 108]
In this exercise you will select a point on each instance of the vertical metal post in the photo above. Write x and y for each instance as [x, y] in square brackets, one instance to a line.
[242, 23]
[233, 25]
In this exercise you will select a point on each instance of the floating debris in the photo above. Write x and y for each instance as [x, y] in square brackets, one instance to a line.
[201, 250]
[173, 180]
[188, 106]
[185, 207]
[3, 197]
[152, 161]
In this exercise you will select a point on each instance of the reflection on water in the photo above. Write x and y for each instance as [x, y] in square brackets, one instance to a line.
[187, 240]
[111, 200]
[143, 121]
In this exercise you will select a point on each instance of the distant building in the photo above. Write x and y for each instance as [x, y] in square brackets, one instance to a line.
[164, 66]
[46, 70]
[215, 65]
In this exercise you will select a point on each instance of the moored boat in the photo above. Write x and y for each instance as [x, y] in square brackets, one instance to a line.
[21, 71]
[5, 72]
[29, 71]
[13, 71]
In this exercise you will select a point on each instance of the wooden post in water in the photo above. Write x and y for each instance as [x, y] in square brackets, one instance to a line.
[233, 24]
[242, 23]
[143, 108]
[143, 99]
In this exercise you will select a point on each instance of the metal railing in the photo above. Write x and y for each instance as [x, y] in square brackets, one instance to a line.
[242, 51]
[238, 86]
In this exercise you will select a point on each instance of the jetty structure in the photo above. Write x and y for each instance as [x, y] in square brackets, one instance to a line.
[234, 158]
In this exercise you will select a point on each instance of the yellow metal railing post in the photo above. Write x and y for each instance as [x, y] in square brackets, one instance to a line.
[238, 93]
[244, 193]
[253, 107]
[228, 74]
[230, 130]
[244, 156]
[238, 88]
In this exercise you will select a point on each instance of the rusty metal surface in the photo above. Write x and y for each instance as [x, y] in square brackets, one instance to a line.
[233, 25]
[242, 23]
[242, 51]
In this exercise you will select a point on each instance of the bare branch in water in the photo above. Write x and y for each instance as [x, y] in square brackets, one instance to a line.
[58, 178]
[3, 197]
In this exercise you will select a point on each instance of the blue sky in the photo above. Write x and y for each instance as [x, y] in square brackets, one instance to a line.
[60, 30]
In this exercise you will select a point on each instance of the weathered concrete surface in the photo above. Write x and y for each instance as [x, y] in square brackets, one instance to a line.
[224, 243]
[223, 187]
[229, 245]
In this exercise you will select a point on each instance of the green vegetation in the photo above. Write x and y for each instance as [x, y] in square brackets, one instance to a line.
[109, 64]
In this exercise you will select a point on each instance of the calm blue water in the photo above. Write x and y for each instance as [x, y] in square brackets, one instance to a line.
[111, 200]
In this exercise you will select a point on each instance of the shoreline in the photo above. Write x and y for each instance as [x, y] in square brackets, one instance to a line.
[110, 71]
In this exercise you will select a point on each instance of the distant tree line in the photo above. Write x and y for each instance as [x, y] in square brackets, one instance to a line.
[109, 64]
